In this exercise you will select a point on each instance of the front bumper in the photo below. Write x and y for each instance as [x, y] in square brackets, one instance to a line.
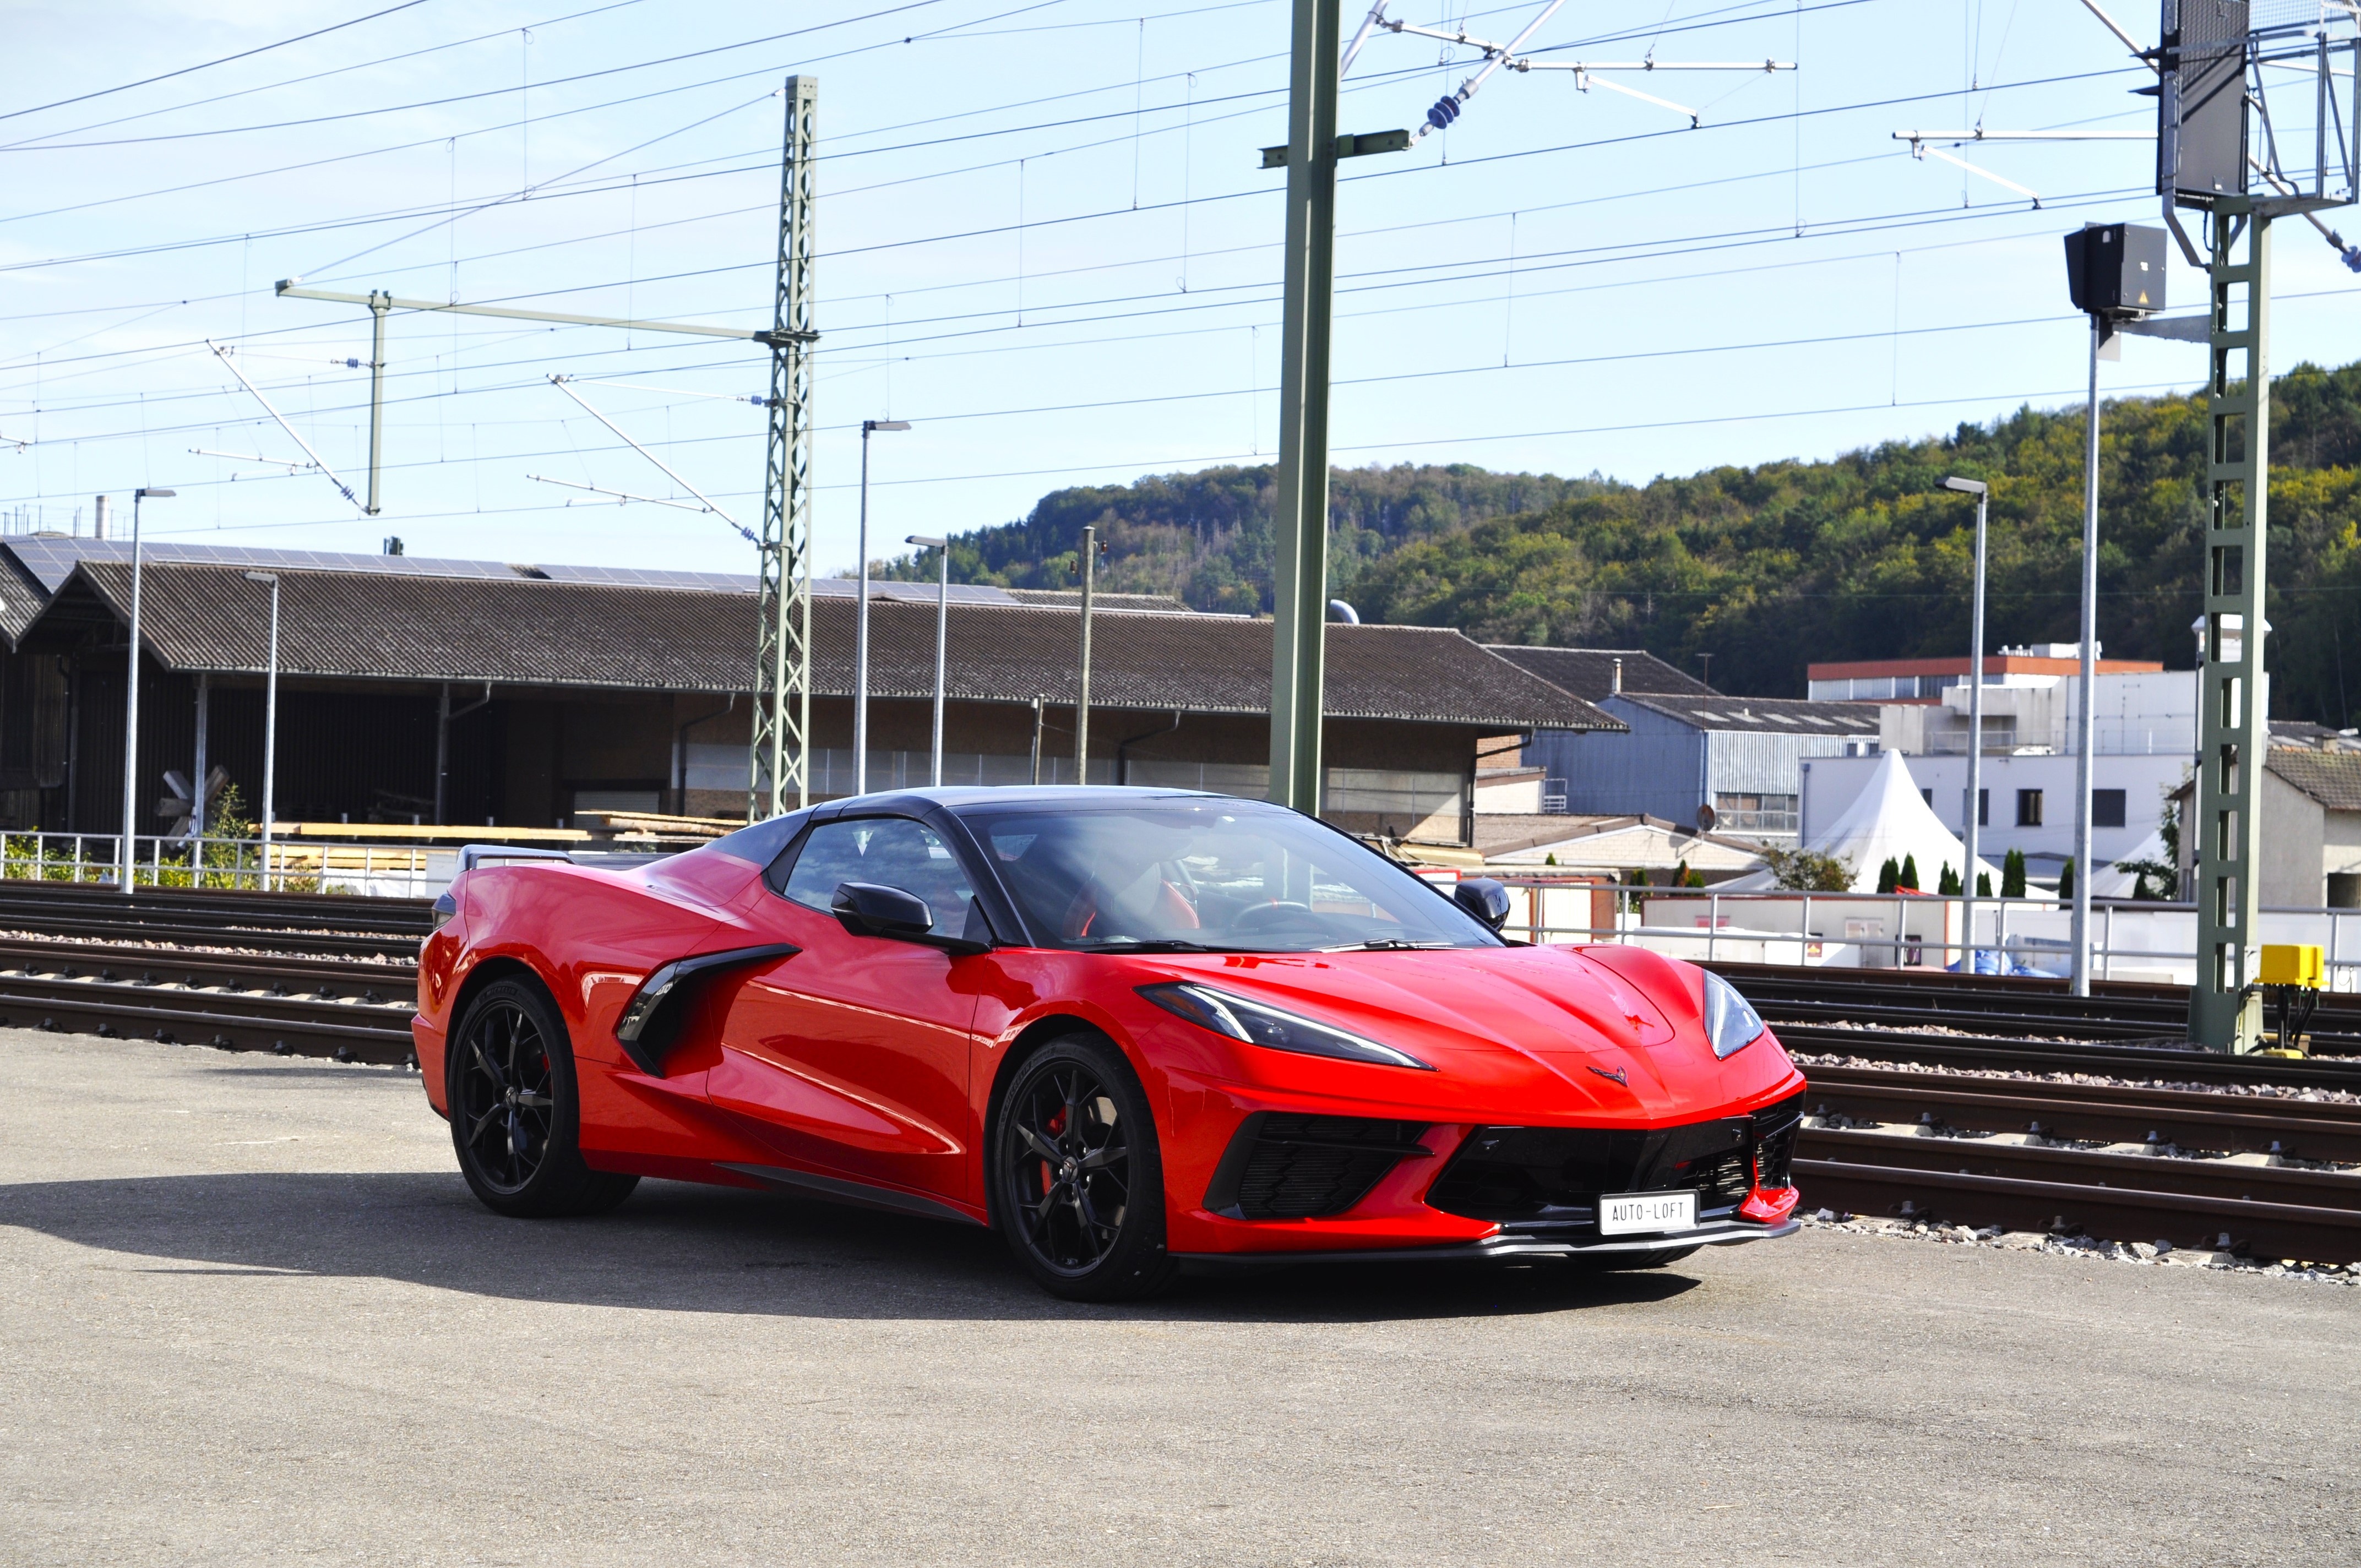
[1504, 1246]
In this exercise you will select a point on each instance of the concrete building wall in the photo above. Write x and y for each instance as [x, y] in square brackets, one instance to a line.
[2295, 832]
[1659, 769]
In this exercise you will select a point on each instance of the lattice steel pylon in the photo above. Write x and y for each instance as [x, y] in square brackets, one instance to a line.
[2221, 64]
[778, 757]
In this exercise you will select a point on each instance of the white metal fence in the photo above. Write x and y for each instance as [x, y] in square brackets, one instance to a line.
[397, 871]
[2133, 941]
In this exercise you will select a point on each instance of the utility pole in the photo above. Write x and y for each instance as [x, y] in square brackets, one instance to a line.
[2217, 73]
[379, 304]
[1086, 564]
[2225, 1010]
[1300, 509]
[1972, 811]
[779, 757]
[131, 701]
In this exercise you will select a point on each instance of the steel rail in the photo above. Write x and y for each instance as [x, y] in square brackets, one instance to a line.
[2176, 1062]
[2062, 1192]
[2186, 1119]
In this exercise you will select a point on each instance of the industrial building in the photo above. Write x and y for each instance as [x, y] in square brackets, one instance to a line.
[2145, 738]
[1689, 754]
[415, 690]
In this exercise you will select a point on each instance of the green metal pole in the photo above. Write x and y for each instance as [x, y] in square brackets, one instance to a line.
[1300, 509]
[379, 304]
[2224, 1011]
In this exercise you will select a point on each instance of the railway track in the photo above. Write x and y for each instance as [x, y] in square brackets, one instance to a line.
[324, 975]
[2002, 1006]
[314, 925]
[299, 973]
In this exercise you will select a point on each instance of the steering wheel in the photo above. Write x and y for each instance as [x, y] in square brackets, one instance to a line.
[1278, 911]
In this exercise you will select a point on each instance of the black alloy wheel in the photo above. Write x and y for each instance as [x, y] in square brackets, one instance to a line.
[1080, 1187]
[515, 1110]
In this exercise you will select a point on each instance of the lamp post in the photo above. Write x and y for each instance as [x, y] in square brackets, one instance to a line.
[269, 722]
[860, 617]
[131, 700]
[2114, 274]
[942, 635]
[1974, 810]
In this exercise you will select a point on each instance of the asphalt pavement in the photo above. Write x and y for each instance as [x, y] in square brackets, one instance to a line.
[249, 1313]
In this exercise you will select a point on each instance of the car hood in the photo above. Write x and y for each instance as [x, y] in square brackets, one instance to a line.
[1508, 1024]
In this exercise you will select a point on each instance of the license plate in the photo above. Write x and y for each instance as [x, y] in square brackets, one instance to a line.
[1638, 1214]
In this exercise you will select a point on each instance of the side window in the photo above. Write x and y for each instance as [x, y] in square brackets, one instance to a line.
[890, 851]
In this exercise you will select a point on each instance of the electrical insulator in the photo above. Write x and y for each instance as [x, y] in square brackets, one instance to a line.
[1445, 110]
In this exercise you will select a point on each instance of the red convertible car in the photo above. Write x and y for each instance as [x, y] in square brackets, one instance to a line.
[1127, 1027]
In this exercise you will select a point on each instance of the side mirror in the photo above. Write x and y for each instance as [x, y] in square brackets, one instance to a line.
[1484, 898]
[870, 909]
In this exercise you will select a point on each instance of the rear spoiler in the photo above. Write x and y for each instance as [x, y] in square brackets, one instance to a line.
[474, 855]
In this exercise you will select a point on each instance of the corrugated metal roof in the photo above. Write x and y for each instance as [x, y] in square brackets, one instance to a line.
[519, 632]
[48, 560]
[1761, 715]
[1589, 673]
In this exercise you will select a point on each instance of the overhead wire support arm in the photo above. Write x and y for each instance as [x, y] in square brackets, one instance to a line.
[620, 495]
[1586, 74]
[1446, 108]
[559, 382]
[223, 353]
[288, 288]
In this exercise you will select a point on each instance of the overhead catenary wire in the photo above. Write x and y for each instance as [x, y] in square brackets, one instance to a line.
[851, 347]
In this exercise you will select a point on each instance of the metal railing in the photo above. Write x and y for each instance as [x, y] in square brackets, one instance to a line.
[2136, 940]
[300, 866]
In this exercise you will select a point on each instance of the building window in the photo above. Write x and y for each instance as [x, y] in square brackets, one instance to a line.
[2106, 809]
[1984, 806]
[1755, 813]
[1927, 796]
[2029, 808]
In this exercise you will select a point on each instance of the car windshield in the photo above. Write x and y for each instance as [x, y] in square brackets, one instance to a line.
[1225, 876]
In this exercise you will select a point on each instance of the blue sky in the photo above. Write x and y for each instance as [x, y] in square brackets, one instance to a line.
[1045, 240]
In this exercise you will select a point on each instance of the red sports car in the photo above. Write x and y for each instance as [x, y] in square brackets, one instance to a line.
[1128, 1027]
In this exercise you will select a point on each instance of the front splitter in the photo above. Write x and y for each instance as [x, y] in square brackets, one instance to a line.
[1724, 1234]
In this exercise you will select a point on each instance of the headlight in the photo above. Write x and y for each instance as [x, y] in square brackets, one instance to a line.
[1730, 1021]
[1258, 1024]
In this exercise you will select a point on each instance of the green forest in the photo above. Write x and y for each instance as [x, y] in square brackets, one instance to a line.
[1770, 568]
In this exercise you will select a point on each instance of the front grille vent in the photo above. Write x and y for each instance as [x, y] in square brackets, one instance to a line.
[1552, 1178]
[1286, 1167]
[1775, 1127]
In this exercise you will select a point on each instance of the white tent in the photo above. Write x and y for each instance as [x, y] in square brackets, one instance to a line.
[1889, 820]
[2108, 883]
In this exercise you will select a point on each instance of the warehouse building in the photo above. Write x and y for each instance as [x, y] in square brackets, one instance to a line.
[467, 692]
[1685, 754]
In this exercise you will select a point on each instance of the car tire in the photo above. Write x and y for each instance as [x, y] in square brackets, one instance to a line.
[1078, 1182]
[516, 1109]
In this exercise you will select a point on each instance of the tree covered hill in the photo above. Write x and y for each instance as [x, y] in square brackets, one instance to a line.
[1205, 538]
[1773, 568]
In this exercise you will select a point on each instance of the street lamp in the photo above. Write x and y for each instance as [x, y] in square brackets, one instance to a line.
[2114, 274]
[1973, 813]
[269, 722]
[131, 700]
[942, 635]
[860, 617]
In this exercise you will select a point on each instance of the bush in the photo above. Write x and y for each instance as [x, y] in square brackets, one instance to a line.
[2012, 874]
[1909, 877]
[1804, 870]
